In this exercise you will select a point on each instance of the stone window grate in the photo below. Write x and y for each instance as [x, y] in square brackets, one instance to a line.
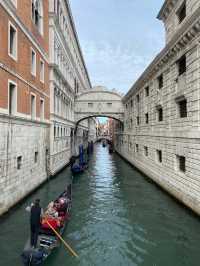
[181, 14]
[159, 156]
[160, 81]
[19, 162]
[182, 65]
[182, 108]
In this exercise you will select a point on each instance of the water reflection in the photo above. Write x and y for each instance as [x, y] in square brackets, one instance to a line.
[119, 218]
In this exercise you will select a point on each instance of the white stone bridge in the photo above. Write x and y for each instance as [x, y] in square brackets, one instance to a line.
[108, 138]
[99, 102]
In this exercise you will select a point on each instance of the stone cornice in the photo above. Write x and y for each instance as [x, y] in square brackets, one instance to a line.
[77, 40]
[166, 9]
[20, 120]
[99, 91]
[187, 33]
[17, 76]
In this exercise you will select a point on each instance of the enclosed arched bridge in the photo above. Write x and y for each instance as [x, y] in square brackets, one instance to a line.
[99, 102]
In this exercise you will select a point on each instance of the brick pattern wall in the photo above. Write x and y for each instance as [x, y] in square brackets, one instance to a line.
[19, 135]
[22, 68]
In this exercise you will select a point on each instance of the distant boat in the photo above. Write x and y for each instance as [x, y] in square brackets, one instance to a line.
[47, 240]
[81, 165]
[104, 144]
[77, 168]
[111, 150]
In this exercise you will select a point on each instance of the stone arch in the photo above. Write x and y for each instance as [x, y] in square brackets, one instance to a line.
[99, 102]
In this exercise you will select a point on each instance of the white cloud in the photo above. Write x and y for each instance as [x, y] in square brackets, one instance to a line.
[114, 66]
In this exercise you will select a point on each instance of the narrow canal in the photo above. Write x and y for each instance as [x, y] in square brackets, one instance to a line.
[119, 218]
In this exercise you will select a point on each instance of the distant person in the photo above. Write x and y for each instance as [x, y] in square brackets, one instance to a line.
[35, 221]
[72, 161]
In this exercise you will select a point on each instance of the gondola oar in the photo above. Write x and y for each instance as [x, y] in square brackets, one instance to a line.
[63, 241]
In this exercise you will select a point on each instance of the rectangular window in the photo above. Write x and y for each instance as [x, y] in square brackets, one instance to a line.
[33, 106]
[159, 156]
[131, 103]
[147, 118]
[147, 91]
[54, 132]
[19, 162]
[12, 41]
[41, 70]
[146, 152]
[181, 163]
[160, 81]
[12, 94]
[109, 104]
[58, 132]
[181, 65]
[160, 114]
[182, 108]
[136, 148]
[33, 62]
[138, 98]
[138, 120]
[181, 14]
[41, 109]
[37, 15]
[36, 157]
[131, 122]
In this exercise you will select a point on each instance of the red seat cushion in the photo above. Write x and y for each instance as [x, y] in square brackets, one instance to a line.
[53, 222]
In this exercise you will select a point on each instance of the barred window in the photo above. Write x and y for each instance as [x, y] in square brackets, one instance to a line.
[183, 108]
[181, 163]
[147, 91]
[147, 118]
[137, 147]
[159, 156]
[182, 65]
[160, 81]
[146, 152]
[182, 12]
[160, 114]
[19, 162]
[138, 120]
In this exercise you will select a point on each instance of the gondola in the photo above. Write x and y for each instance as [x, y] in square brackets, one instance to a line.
[77, 169]
[47, 240]
[81, 164]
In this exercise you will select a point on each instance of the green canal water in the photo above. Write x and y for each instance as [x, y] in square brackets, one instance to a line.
[119, 217]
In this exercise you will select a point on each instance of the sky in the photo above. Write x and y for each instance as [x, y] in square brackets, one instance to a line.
[119, 38]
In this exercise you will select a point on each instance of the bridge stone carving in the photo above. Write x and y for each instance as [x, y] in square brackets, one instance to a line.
[99, 102]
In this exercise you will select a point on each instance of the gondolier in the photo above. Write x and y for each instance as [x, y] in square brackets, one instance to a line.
[36, 213]
[50, 230]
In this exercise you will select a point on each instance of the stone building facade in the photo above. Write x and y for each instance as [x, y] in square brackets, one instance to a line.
[41, 72]
[161, 134]
[68, 77]
[24, 98]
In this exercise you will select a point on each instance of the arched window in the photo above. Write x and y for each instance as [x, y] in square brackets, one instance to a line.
[37, 14]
